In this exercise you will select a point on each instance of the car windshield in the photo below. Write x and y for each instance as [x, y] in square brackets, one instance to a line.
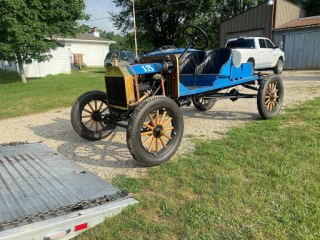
[109, 55]
[241, 43]
[131, 55]
[168, 47]
[163, 48]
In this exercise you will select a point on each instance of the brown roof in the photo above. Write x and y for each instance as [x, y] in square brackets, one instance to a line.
[88, 37]
[301, 23]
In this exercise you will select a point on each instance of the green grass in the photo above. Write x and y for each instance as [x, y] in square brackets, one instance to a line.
[260, 181]
[257, 182]
[42, 94]
[99, 69]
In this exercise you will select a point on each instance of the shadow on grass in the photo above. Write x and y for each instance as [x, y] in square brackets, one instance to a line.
[94, 71]
[7, 76]
[8, 81]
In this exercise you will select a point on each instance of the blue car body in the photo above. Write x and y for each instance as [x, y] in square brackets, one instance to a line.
[224, 75]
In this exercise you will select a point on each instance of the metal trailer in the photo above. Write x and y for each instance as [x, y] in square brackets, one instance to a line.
[45, 196]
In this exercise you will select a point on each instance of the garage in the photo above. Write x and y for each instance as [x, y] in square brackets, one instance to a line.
[251, 33]
[300, 39]
[260, 21]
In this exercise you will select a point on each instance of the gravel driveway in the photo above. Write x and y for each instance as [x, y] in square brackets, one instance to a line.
[110, 157]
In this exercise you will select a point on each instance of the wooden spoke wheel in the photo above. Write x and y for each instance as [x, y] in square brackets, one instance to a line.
[156, 133]
[87, 116]
[203, 104]
[270, 97]
[155, 130]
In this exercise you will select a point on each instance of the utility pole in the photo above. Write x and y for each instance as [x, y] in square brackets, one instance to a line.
[134, 29]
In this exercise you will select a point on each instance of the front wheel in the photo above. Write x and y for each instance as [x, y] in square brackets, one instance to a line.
[203, 104]
[87, 116]
[279, 67]
[270, 97]
[155, 131]
[251, 60]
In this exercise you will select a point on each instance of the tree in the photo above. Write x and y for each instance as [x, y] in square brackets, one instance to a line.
[312, 7]
[160, 22]
[220, 11]
[27, 28]
[157, 21]
[123, 42]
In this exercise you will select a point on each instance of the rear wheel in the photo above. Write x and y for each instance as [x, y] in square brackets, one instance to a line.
[155, 131]
[251, 60]
[270, 97]
[87, 116]
[279, 67]
[203, 104]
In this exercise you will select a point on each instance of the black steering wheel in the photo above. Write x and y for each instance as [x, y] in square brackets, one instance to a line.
[195, 35]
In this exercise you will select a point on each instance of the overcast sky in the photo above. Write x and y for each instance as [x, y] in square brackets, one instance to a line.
[100, 9]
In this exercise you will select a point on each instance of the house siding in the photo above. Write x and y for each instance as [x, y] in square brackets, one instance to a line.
[254, 21]
[11, 66]
[59, 63]
[93, 53]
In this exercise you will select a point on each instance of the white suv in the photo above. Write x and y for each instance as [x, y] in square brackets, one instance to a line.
[260, 51]
[124, 58]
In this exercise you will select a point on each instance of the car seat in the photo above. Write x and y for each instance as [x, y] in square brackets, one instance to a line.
[214, 61]
[189, 65]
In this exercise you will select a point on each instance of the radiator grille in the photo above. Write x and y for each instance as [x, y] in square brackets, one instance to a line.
[116, 91]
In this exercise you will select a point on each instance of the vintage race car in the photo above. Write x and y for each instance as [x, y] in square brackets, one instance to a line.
[145, 98]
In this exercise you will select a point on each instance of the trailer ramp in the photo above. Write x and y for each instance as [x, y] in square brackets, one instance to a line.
[43, 195]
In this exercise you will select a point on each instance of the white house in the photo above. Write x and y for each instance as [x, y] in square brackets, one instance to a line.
[90, 47]
[59, 63]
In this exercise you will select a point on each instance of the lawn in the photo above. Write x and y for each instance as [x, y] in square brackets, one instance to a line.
[42, 94]
[260, 181]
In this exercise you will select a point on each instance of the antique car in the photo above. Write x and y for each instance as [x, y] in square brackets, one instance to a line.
[145, 98]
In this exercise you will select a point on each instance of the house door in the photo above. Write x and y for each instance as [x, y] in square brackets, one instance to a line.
[78, 59]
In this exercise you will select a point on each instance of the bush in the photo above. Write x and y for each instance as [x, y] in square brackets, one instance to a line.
[7, 76]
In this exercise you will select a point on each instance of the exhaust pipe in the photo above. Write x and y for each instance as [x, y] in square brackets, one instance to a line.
[183, 102]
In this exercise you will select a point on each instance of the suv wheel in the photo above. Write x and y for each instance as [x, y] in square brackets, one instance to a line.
[279, 67]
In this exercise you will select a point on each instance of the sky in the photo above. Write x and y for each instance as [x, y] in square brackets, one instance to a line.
[100, 9]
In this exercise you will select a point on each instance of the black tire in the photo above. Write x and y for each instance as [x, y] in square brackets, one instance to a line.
[270, 96]
[164, 134]
[279, 67]
[203, 104]
[251, 60]
[87, 116]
